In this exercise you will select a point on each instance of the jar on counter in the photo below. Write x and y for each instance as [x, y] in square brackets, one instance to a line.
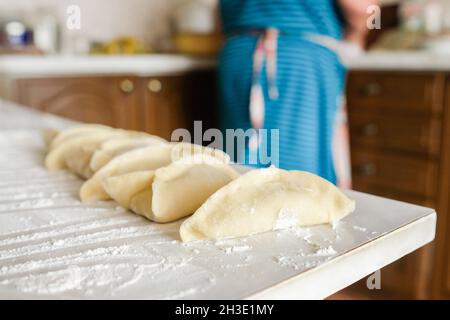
[46, 31]
[433, 17]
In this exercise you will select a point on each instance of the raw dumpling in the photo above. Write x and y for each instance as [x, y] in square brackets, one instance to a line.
[48, 135]
[147, 158]
[75, 131]
[122, 188]
[56, 158]
[75, 151]
[181, 188]
[172, 192]
[112, 148]
[184, 150]
[267, 199]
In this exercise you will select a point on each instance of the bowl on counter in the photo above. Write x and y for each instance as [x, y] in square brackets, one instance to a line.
[199, 44]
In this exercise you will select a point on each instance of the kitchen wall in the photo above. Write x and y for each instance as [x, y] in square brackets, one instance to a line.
[148, 20]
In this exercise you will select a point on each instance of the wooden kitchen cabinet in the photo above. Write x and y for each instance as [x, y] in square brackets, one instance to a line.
[176, 101]
[157, 104]
[400, 148]
[441, 278]
[107, 100]
[162, 108]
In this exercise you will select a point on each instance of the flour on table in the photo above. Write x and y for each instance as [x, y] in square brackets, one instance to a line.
[286, 218]
[241, 248]
[52, 246]
[362, 229]
[326, 251]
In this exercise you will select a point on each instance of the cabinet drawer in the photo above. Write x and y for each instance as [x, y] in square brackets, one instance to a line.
[415, 92]
[392, 172]
[417, 134]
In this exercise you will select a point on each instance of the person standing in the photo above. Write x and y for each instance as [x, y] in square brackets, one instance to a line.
[274, 75]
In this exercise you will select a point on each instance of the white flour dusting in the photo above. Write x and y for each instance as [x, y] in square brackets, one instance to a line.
[54, 246]
[326, 251]
[286, 218]
[362, 229]
[241, 248]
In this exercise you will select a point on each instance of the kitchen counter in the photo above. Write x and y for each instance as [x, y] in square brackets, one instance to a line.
[400, 60]
[52, 246]
[160, 64]
[139, 65]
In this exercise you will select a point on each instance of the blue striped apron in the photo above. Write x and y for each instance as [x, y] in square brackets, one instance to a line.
[303, 106]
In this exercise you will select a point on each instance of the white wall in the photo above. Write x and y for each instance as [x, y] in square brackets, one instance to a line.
[148, 20]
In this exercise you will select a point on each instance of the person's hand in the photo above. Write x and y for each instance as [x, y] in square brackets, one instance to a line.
[346, 50]
[355, 14]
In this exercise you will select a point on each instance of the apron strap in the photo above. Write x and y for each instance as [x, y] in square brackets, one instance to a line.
[265, 52]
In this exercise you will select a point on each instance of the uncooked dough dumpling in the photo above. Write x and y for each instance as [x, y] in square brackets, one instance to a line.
[71, 132]
[267, 199]
[185, 150]
[48, 135]
[114, 147]
[122, 188]
[171, 192]
[147, 158]
[80, 143]
[73, 148]
[181, 188]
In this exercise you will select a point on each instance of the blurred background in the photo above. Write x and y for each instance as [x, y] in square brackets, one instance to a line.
[151, 65]
[41, 25]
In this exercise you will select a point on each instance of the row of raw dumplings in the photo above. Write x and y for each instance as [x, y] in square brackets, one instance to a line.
[166, 181]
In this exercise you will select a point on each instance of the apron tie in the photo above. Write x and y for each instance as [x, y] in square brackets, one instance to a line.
[265, 52]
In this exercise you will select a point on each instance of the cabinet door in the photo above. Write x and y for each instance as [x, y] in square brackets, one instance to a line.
[390, 160]
[106, 100]
[442, 260]
[163, 109]
[175, 101]
[200, 96]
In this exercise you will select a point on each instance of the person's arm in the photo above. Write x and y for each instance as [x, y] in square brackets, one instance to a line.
[355, 15]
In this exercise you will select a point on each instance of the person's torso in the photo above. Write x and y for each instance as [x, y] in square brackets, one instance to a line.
[289, 16]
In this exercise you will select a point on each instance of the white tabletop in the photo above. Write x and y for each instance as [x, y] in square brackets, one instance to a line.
[16, 66]
[407, 60]
[70, 65]
[54, 247]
